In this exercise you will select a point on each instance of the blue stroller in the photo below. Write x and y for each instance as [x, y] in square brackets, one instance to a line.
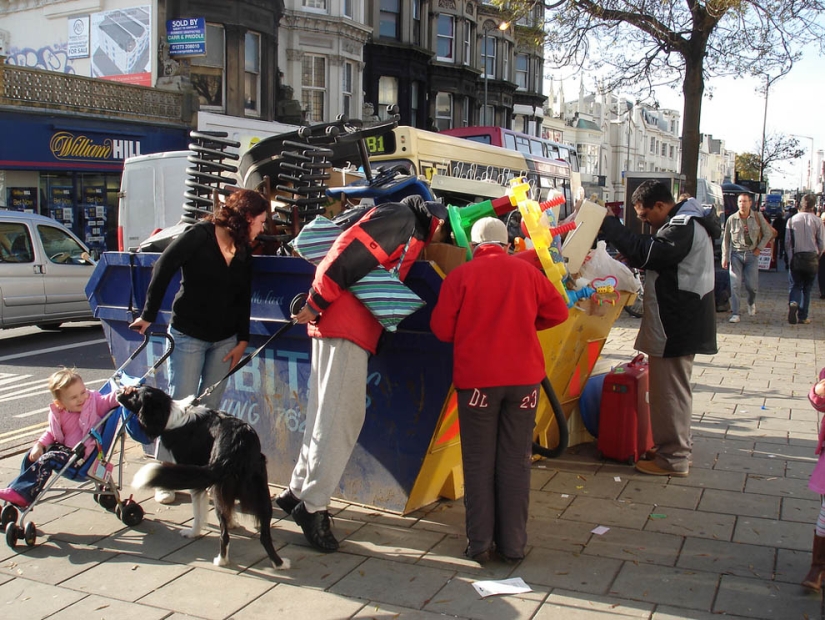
[97, 469]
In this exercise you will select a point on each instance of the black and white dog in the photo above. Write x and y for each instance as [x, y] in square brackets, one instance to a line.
[211, 449]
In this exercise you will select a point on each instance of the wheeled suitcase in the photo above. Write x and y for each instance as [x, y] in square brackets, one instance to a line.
[624, 418]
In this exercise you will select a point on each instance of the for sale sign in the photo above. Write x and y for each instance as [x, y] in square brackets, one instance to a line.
[186, 36]
[78, 46]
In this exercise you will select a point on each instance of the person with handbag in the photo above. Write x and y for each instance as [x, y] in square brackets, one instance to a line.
[805, 242]
[747, 232]
[344, 334]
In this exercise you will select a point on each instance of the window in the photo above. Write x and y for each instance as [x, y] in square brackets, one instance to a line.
[488, 56]
[252, 74]
[468, 49]
[465, 112]
[443, 111]
[522, 69]
[488, 115]
[389, 19]
[653, 145]
[414, 91]
[387, 95]
[317, 5]
[15, 244]
[313, 87]
[671, 151]
[505, 61]
[347, 8]
[446, 38]
[346, 88]
[416, 19]
[58, 246]
[207, 72]
[664, 149]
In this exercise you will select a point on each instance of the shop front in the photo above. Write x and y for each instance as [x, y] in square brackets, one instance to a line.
[69, 169]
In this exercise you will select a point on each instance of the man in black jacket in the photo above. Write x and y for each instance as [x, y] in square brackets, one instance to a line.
[679, 312]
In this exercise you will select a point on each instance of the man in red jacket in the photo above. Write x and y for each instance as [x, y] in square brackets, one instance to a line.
[490, 309]
[344, 334]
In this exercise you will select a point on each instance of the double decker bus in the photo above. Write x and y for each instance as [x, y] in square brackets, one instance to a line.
[524, 143]
[457, 167]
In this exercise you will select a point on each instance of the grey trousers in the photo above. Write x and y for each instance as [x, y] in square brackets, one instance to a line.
[671, 406]
[334, 418]
[496, 448]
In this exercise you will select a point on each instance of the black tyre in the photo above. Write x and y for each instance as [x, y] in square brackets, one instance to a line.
[49, 327]
[106, 501]
[11, 535]
[30, 534]
[9, 515]
[132, 513]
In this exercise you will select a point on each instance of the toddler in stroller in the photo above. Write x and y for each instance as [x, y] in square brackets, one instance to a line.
[84, 426]
[72, 414]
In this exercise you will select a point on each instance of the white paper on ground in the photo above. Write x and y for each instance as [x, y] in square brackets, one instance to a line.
[515, 585]
[598, 531]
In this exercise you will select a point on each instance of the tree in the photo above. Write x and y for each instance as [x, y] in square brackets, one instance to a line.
[777, 147]
[644, 44]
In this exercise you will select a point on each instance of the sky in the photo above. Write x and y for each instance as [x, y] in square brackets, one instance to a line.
[735, 113]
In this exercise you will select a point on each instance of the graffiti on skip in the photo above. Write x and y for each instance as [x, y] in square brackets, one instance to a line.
[48, 58]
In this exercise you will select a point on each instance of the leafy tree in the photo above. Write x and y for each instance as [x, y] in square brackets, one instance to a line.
[644, 44]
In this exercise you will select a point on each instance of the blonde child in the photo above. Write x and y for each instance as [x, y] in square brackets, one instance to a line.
[74, 411]
[816, 483]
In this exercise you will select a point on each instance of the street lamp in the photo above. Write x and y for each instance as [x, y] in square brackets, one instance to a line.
[810, 162]
[501, 27]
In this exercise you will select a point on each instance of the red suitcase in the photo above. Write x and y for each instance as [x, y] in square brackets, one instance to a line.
[624, 416]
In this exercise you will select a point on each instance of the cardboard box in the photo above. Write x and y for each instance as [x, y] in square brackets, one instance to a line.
[445, 255]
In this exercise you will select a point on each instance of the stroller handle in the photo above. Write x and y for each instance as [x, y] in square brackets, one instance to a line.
[146, 338]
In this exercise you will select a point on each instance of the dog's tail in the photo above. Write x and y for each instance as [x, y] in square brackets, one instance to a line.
[174, 476]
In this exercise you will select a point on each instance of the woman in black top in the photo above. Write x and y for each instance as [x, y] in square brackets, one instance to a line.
[210, 313]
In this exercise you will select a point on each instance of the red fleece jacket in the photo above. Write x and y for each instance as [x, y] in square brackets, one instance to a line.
[490, 309]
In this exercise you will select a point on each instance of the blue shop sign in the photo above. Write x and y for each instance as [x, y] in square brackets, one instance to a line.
[186, 36]
[51, 143]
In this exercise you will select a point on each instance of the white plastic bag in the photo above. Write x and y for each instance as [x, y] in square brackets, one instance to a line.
[600, 264]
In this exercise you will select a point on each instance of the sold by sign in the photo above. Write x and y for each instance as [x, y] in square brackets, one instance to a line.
[186, 36]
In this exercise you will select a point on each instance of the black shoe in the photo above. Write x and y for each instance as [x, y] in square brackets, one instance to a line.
[316, 526]
[793, 313]
[481, 558]
[287, 501]
[507, 559]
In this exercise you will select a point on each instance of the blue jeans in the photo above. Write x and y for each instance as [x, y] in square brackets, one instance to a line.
[799, 290]
[34, 476]
[196, 364]
[744, 269]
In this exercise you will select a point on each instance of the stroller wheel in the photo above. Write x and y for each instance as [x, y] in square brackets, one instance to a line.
[9, 515]
[106, 501]
[132, 513]
[11, 534]
[30, 534]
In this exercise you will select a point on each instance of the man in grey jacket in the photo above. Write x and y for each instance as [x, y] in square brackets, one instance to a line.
[679, 312]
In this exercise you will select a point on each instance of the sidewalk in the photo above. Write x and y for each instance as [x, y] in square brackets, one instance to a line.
[733, 538]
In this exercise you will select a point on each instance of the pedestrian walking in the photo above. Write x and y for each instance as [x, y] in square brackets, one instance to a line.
[805, 243]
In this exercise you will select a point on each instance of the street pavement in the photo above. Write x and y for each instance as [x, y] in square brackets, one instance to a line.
[733, 538]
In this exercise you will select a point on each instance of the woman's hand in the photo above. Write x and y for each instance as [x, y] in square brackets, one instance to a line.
[236, 354]
[305, 315]
[139, 325]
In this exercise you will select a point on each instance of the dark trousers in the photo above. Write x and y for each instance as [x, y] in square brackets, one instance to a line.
[34, 476]
[497, 427]
[821, 275]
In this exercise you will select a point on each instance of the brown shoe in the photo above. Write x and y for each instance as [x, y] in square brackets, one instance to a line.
[652, 468]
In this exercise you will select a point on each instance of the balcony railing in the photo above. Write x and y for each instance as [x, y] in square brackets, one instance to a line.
[35, 88]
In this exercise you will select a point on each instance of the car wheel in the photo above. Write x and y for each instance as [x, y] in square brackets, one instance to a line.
[48, 327]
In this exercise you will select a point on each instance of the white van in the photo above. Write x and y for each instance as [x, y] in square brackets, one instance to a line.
[151, 195]
[710, 197]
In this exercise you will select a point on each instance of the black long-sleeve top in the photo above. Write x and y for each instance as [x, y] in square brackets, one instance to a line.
[214, 299]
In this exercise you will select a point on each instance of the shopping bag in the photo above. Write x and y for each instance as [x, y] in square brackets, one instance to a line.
[388, 299]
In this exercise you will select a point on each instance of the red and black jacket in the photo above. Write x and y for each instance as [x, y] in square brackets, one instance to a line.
[378, 238]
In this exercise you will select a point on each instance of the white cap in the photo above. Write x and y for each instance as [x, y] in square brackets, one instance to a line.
[489, 230]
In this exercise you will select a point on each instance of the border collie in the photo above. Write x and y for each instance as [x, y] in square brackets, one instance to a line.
[211, 449]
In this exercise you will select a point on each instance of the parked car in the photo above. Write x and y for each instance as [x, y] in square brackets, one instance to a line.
[44, 269]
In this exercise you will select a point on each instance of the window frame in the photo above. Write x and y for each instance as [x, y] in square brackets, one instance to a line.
[256, 110]
[449, 37]
[309, 92]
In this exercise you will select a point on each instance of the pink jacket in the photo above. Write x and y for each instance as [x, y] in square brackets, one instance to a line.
[817, 481]
[70, 428]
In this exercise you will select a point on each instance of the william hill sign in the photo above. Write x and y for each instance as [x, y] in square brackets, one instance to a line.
[69, 146]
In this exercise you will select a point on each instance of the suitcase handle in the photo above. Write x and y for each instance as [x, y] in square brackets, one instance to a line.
[638, 360]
